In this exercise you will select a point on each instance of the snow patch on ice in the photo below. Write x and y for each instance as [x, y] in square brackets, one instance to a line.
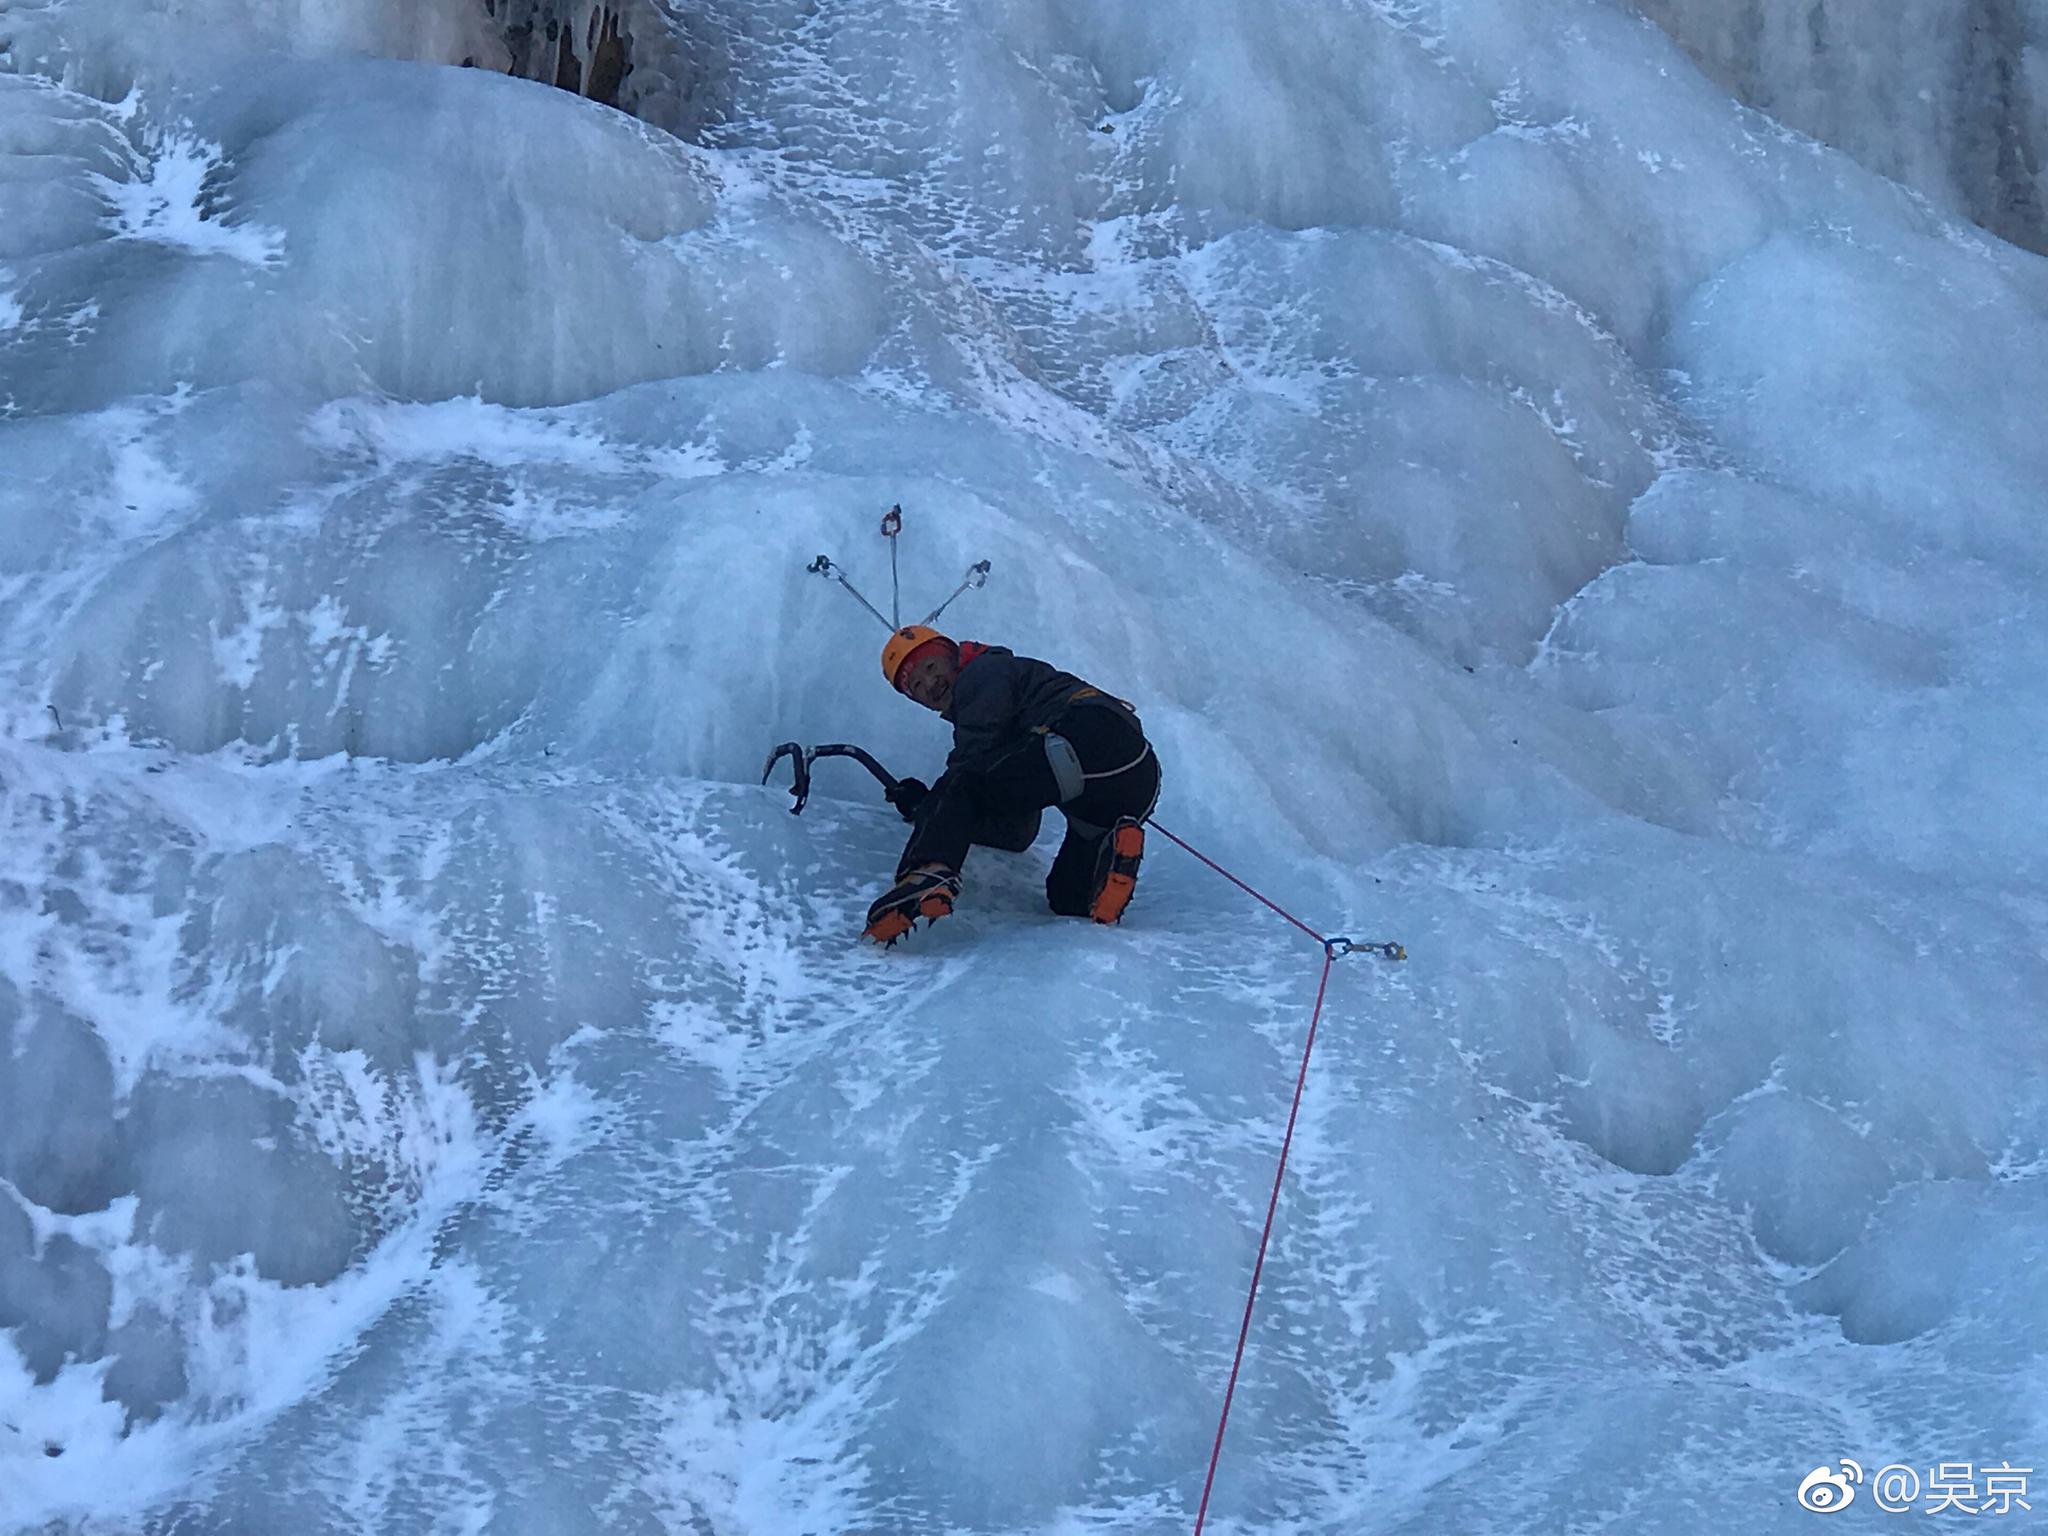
[175, 196]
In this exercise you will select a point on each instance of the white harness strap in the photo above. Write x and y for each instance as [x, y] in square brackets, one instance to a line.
[1110, 773]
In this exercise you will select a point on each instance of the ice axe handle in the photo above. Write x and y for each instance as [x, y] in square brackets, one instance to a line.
[841, 749]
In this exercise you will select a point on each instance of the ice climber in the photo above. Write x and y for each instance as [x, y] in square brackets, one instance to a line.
[1026, 736]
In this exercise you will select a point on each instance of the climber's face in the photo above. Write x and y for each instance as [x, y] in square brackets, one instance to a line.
[929, 678]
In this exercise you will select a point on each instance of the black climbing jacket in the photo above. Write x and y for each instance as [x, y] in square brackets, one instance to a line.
[1000, 697]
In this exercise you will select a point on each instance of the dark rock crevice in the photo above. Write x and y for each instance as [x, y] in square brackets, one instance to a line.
[650, 58]
[1949, 97]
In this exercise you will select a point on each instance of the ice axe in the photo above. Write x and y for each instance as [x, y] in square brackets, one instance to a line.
[801, 758]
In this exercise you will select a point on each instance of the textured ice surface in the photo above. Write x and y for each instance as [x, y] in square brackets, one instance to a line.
[1544, 512]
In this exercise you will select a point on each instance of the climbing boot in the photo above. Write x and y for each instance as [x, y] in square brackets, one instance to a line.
[927, 892]
[1116, 872]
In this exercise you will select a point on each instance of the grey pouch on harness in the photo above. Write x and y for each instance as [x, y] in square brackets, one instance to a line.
[1066, 766]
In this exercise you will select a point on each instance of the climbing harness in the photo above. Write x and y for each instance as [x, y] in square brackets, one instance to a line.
[1067, 774]
[1072, 779]
[892, 526]
[1067, 771]
[1333, 950]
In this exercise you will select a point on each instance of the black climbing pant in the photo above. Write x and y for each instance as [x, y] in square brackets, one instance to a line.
[1000, 805]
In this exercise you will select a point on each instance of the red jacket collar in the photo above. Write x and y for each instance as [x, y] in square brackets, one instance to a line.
[969, 649]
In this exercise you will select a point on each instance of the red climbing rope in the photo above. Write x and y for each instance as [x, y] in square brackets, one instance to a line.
[1332, 948]
[1245, 1328]
[1226, 874]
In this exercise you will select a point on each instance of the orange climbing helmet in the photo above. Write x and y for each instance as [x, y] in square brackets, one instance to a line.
[904, 646]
